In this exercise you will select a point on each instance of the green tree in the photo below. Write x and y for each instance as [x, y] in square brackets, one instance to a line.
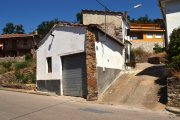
[9, 28]
[45, 27]
[143, 19]
[173, 52]
[19, 29]
[79, 18]
[174, 45]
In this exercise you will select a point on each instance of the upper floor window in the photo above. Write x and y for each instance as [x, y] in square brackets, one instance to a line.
[137, 36]
[149, 35]
[134, 37]
[158, 35]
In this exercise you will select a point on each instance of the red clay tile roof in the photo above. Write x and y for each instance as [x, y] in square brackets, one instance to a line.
[15, 35]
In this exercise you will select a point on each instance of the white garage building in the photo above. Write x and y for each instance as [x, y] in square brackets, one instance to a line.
[78, 60]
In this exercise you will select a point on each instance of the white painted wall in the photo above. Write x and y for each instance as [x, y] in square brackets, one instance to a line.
[172, 16]
[109, 54]
[67, 40]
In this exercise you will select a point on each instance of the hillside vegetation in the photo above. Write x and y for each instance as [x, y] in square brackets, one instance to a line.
[16, 74]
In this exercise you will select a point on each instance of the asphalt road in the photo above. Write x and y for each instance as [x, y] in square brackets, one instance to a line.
[21, 106]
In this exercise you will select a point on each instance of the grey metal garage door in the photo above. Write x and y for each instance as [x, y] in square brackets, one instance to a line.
[74, 75]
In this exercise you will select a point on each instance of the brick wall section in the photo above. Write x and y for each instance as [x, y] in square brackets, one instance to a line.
[91, 64]
[173, 88]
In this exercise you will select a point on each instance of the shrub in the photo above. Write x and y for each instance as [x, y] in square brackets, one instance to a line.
[25, 78]
[139, 55]
[173, 52]
[32, 77]
[138, 51]
[176, 63]
[21, 78]
[174, 45]
[7, 65]
[158, 49]
[20, 65]
[2, 70]
[28, 58]
[18, 75]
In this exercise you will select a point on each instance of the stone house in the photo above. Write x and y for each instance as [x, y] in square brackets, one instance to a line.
[171, 13]
[78, 60]
[16, 45]
[146, 35]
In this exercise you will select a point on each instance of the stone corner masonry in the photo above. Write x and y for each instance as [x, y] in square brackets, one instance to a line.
[173, 88]
[91, 64]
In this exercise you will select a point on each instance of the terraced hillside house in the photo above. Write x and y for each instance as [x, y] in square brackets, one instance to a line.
[171, 13]
[16, 45]
[78, 60]
[146, 35]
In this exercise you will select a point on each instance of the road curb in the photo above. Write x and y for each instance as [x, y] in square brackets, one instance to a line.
[173, 110]
[26, 91]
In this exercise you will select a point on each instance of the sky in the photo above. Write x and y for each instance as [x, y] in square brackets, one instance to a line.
[30, 13]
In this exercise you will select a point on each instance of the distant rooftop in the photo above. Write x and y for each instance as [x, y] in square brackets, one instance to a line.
[102, 12]
[146, 27]
[15, 35]
[146, 24]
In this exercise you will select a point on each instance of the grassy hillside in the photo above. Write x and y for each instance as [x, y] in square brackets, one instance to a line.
[18, 74]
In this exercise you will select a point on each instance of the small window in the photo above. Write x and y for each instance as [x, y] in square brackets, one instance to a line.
[49, 64]
[137, 36]
[158, 35]
[149, 36]
[134, 37]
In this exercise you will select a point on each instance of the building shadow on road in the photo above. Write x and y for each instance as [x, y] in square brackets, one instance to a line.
[155, 71]
[162, 93]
